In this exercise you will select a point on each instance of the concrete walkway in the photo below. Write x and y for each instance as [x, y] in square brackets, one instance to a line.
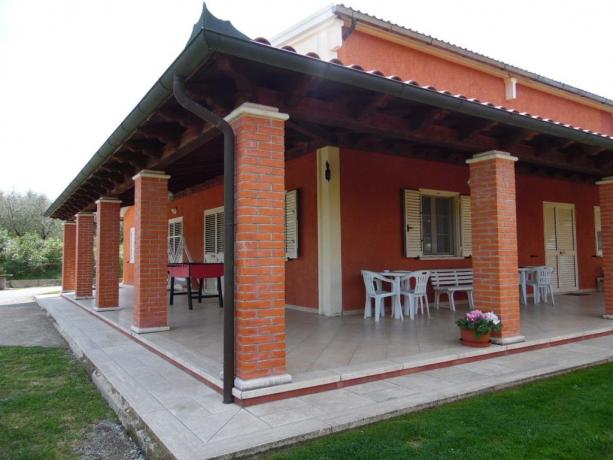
[23, 323]
[189, 420]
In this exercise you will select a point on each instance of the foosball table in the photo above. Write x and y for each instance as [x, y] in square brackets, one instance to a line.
[195, 271]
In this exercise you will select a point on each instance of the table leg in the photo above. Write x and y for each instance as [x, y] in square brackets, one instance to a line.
[200, 282]
[189, 293]
[172, 290]
[397, 302]
[220, 292]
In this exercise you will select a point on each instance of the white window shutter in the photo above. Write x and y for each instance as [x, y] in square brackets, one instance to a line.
[466, 226]
[210, 230]
[219, 233]
[412, 223]
[132, 244]
[598, 230]
[175, 241]
[214, 235]
[291, 224]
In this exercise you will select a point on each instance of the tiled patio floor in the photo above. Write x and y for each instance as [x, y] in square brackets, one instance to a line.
[318, 346]
[189, 419]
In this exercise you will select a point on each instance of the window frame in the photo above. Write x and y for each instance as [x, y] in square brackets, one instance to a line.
[461, 226]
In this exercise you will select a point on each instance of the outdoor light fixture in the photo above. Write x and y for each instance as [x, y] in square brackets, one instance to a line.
[328, 173]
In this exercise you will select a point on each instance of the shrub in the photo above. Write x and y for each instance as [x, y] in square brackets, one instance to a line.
[30, 256]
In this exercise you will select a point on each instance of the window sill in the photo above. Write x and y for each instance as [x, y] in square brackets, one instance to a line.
[442, 258]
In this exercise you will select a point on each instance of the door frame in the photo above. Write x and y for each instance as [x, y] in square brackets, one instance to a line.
[571, 206]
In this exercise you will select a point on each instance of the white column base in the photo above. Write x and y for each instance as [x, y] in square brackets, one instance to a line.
[87, 297]
[252, 384]
[607, 316]
[148, 330]
[508, 340]
[106, 308]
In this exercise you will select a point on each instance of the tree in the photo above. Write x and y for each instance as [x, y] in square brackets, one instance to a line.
[21, 214]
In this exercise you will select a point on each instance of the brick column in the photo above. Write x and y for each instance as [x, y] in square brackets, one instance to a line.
[605, 190]
[84, 260]
[107, 251]
[68, 256]
[260, 246]
[151, 252]
[494, 235]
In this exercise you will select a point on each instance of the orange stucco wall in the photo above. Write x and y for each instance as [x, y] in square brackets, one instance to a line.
[372, 218]
[128, 268]
[410, 64]
[301, 273]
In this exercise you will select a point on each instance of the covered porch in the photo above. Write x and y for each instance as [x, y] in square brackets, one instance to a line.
[332, 352]
[362, 150]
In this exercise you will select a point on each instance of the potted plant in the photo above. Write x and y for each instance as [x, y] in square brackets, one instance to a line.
[476, 327]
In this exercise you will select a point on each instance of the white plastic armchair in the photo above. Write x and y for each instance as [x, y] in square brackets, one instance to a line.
[417, 296]
[541, 284]
[374, 284]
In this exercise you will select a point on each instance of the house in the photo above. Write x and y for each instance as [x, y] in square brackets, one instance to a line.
[346, 143]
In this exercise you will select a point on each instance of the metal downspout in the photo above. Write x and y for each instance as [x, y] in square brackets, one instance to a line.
[192, 106]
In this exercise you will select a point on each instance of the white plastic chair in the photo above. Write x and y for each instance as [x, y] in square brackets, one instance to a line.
[541, 284]
[373, 282]
[416, 296]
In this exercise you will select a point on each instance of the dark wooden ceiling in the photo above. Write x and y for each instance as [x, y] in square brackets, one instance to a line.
[321, 113]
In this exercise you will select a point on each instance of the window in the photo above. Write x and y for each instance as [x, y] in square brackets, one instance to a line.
[598, 230]
[291, 224]
[437, 224]
[132, 244]
[437, 218]
[175, 240]
[214, 235]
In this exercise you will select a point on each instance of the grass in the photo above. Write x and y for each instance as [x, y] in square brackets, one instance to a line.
[47, 403]
[566, 417]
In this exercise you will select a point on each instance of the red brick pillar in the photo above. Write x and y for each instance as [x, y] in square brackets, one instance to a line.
[84, 260]
[68, 256]
[605, 190]
[107, 251]
[260, 243]
[494, 235]
[151, 252]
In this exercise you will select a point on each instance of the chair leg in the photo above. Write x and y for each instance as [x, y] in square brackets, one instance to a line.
[368, 307]
[377, 308]
[553, 302]
[471, 300]
[437, 299]
[427, 306]
[451, 301]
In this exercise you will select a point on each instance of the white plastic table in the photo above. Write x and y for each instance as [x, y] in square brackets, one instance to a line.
[397, 305]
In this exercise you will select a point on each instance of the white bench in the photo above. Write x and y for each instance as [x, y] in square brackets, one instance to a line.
[451, 281]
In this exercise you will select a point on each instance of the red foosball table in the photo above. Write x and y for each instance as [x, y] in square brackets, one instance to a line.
[195, 271]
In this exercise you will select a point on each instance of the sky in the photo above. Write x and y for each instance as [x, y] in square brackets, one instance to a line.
[71, 70]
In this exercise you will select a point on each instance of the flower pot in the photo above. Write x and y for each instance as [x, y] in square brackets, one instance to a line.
[471, 340]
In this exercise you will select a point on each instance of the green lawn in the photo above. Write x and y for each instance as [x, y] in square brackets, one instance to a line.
[47, 403]
[567, 417]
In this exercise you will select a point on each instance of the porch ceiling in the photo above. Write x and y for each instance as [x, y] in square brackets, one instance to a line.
[328, 104]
